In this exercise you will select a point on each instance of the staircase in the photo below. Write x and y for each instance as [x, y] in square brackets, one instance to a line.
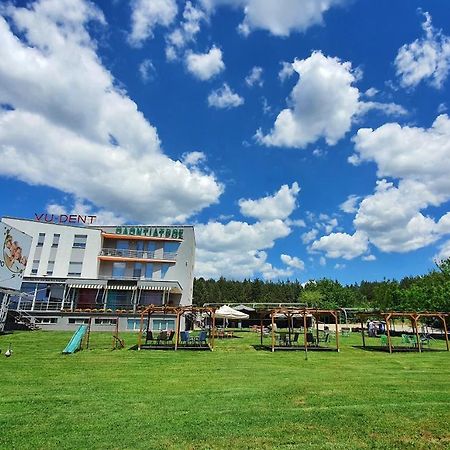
[20, 320]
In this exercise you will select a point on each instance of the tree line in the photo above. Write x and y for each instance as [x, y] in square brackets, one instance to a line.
[426, 292]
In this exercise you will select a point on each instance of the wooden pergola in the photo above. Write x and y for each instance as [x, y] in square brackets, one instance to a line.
[178, 312]
[414, 317]
[304, 313]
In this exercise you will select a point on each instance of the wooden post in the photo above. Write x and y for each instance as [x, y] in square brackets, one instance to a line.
[88, 333]
[261, 328]
[289, 317]
[273, 330]
[362, 333]
[305, 330]
[213, 314]
[416, 330]
[337, 329]
[140, 331]
[388, 332]
[177, 329]
[317, 329]
[115, 334]
[445, 330]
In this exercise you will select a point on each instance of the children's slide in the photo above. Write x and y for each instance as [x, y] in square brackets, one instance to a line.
[76, 340]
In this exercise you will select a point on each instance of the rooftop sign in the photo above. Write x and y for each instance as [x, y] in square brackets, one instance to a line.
[64, 218]
[159, 232]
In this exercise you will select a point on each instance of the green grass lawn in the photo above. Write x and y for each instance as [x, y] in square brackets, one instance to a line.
[235, 397]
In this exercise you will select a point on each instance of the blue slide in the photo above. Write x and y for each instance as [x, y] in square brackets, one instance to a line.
[75, 342]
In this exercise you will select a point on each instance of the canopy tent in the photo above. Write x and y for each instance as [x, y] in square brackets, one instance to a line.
[244, 308]
[226, 312]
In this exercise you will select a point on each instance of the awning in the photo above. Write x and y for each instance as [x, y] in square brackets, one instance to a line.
[171, 286]
[244, 308]
[121, 288]
[87, 286]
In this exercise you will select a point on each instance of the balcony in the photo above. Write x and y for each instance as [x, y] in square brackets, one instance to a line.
[136, 255]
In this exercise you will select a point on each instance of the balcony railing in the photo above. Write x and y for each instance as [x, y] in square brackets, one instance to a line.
[138, 254]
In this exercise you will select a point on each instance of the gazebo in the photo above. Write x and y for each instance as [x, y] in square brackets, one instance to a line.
[414, 318]
[173, 343]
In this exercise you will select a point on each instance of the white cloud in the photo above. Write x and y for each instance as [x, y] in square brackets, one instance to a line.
[146, 15]
[147, 70]
[309, 236]
[255, 77]
[339, 266]
[205, 66]
[279, 18]
[322, 104]
[224, 98]
[371, 92]
[369, 258]
[425, 59]
[393, 217]
[277, 206]
[322, 261]
[286, 71]
[293, 261]
[444, 252]
[350, 205]
[341, 245]
[186, 32]
[236, 249]
[300, 223]
[95, 144]
[193, 158]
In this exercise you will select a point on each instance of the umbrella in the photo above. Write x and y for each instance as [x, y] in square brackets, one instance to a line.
[225, 312]
[244, 308]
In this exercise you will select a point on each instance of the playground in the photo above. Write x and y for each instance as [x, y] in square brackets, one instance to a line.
[236, 397]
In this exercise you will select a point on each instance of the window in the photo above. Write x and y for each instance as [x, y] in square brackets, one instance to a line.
[45, 320]
[149, 270]
[164, 269]
[140, 246]
[41, 239]
[105, 321]
[78, 320]
[137, 270]
[122, 245]
[75, 268]
[56, 240]
[171, 247]
[135, 324]
[50, 267]
[79, 241]
[118, 269]
[163, 324]
[34, 268]
[151, 246]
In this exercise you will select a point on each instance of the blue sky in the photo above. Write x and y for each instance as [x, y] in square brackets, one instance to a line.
[303, 139]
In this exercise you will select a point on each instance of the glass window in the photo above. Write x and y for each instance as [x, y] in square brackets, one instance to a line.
[105, 321]
[122, 245]
[79, 241]
[163, 324]
[164, 269]
[46, 320]
[118, 269]
[56, 240]
[140, 246]
[137, 270]
[35, 267]
[135, 324]
[50, 267]
[75, 268]
[41, 239]
[149, 270]
[151, 246]
[78, 320]
[171, 247]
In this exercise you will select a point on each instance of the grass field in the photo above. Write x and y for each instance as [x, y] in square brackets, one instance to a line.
[235, 397]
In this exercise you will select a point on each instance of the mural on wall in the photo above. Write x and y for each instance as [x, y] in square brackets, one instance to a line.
[15, 247]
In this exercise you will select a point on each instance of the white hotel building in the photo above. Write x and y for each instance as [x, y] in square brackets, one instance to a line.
[108, 273]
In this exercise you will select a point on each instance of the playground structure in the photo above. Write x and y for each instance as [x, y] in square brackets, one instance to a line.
[409, 342]
[176, 339]
[311, 340]
[81, 339]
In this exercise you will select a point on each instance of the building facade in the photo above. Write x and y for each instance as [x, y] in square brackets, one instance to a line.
[105, 273]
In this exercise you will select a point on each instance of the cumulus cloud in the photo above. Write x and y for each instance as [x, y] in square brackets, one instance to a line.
[341, 245]
[236, 249]
[277, 206]
[393, 217]
[293, 261]
[426, 59]
[309, 236]
[279, 18]
[193, 158]
[95, 144]
[147, 70]
[350, 205]
[186, 32]
[323, 104]
[444, 252]
[205, 66]
[146, 15]
[224, 98]
[255, 77]
[286, 71]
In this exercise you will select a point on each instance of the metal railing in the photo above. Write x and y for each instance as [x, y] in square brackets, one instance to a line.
[139, 254]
